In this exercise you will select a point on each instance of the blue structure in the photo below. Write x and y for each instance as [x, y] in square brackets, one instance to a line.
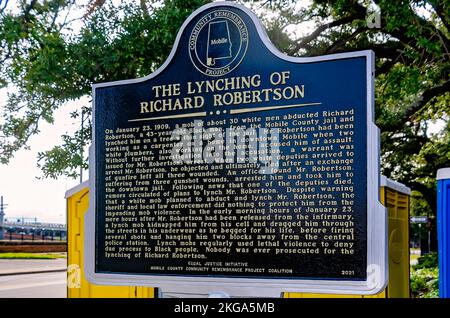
[443, 224]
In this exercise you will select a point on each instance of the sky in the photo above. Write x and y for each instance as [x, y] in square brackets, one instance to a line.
[25, 194]
[43, 199]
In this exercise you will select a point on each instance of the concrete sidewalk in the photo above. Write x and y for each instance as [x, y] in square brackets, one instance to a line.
[31, 266]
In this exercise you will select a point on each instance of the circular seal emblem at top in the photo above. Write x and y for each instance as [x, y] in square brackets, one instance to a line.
[218, 42]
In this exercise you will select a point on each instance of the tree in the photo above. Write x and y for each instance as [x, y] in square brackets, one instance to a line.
[50, 64]
[46, 62]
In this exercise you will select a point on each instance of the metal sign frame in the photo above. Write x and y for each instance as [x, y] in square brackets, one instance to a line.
[185, 285]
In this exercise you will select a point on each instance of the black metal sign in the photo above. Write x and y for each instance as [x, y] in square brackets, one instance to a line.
[234, 165]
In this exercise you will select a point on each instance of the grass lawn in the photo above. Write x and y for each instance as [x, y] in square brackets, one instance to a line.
[32, 255]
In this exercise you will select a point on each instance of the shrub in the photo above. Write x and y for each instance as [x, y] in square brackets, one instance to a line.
[429, 260]
[424, 277]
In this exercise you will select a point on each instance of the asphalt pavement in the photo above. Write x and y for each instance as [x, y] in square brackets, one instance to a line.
[29, 278]
[42, 285]
[22, 266]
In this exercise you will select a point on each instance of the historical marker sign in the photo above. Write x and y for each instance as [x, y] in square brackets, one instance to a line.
[236, 168]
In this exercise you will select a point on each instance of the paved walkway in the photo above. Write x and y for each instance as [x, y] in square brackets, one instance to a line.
[26, 266]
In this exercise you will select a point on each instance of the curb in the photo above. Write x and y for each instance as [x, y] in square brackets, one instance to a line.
[33, 272]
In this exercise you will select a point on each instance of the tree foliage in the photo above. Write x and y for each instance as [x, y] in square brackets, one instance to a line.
[49, 64]
[45, 62]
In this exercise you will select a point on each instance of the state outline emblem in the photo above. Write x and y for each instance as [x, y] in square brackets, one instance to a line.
[218, 42]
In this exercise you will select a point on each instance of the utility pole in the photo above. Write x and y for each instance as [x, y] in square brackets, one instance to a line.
[420, 239]
[2, 215]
